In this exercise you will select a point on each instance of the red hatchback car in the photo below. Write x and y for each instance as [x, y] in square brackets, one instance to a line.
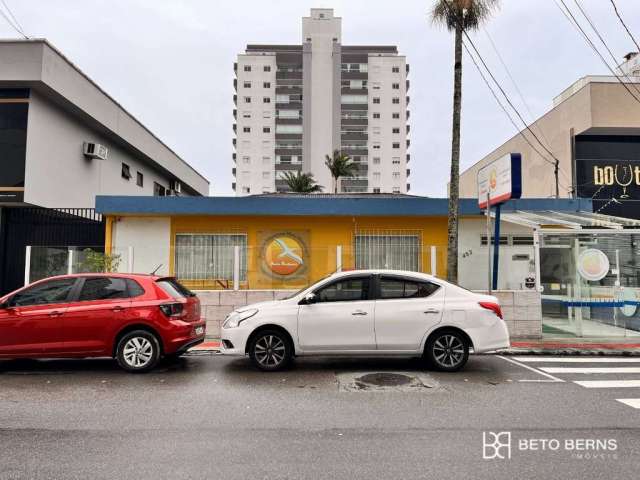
[135, 319]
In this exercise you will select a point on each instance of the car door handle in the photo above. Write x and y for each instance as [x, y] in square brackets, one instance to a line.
[359, 312]
[55, 313]
[118, 308]
[432, 310]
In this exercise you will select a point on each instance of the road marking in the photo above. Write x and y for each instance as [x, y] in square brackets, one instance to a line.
[591, 369]
[578, 359]
[608, 383]
[551, 378]
[632, 402]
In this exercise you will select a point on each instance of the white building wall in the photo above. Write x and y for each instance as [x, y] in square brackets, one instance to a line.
[389, 162]
[57, 174]
[148, 237]
[322, 31]
[473, 256]
[255, 159]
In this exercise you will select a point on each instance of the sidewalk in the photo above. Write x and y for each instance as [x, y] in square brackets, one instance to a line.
[526, 347]
[581, 346]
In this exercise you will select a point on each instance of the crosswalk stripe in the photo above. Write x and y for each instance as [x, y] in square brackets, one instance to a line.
[590, 369]
[632, 402]
[578, 359]
[608, 383]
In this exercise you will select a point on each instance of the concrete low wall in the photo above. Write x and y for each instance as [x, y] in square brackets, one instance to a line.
[522, 309]
[217, 304]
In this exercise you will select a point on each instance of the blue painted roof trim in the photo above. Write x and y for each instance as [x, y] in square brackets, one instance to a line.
[400, 206]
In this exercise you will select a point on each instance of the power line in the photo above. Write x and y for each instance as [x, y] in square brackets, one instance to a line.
[594, 48]
[515, 84]
[13, 17]
[499, 102]
[15, 26]
[613, 57]
[615, 8]
[555, 163]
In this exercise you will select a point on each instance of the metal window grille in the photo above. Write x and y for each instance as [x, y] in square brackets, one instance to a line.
[209, 256]
[389, 250]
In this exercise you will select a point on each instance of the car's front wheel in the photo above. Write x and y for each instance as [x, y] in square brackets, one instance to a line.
[138, 351]
[447, 350]
[270, 350]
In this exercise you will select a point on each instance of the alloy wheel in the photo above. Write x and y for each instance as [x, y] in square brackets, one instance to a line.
[448, 351]
[138, 352]
[270, 351]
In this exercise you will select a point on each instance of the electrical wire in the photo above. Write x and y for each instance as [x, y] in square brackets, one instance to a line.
[594, 48]
[15, 20]
[515, 84]
[499, 102]
[488, 70]
[606, 46]
[15, 26]
[615, 8]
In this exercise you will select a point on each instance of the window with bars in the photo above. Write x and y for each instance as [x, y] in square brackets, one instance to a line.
[391, 250]
[209, 256]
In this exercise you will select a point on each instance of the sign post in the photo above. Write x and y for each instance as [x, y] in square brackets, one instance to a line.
[498, 182]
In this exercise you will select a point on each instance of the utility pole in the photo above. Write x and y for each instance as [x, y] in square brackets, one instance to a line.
[556, 170]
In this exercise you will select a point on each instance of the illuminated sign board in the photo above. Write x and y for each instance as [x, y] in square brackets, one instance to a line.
[500, 180]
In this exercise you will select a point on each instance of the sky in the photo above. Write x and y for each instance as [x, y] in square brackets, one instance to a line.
[170, 64]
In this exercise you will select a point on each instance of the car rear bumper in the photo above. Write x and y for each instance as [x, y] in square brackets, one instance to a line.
[493, 337]
[184, 337]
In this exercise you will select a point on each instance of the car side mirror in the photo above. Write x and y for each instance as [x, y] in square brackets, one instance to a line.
[309, 299]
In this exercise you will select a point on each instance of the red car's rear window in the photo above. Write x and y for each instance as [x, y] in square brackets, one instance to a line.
[174, 289]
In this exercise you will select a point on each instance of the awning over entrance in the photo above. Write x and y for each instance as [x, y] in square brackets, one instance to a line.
[551, 219]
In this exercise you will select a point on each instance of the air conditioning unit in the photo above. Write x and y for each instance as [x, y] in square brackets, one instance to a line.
[95, 150]
[175, 186]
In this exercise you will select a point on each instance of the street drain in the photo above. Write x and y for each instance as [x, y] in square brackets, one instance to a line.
[385, 379]
[385, 382]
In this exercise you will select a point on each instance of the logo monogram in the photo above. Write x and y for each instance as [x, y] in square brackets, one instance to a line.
[496, 445]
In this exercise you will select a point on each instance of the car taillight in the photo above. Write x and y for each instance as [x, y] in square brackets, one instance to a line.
[172, 309]
[494, 307]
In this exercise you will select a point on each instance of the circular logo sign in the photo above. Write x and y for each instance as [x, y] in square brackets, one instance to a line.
[284, 254]
[593, 265]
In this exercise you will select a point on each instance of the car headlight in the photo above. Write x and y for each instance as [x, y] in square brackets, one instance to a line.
[236, 318]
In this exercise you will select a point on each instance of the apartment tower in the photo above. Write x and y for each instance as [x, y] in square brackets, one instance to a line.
[295, 104]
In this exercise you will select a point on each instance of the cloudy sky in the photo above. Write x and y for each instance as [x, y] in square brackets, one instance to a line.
[170, 63]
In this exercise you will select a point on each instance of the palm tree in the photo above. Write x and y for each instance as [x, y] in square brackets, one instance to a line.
[458, 16]
[301, 182]
[340, 165]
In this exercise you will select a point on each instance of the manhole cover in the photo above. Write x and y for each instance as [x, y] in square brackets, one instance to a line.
[385, 382]
[385, 379]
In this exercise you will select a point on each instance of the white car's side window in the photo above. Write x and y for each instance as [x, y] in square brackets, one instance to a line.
[391, 287]
[348, 289]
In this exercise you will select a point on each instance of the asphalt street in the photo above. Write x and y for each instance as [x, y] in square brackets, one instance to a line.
[208, 416]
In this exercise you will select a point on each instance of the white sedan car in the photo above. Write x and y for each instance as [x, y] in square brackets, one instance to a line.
[369, 313]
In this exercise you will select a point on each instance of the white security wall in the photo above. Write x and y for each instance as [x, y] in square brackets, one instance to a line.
[392, 165]
[255, 160]
[150, 239]
[57, 174]
[473, 261]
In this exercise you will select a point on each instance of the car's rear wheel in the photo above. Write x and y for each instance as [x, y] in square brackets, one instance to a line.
[138, 351]
[447, 350]
[270, 350]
